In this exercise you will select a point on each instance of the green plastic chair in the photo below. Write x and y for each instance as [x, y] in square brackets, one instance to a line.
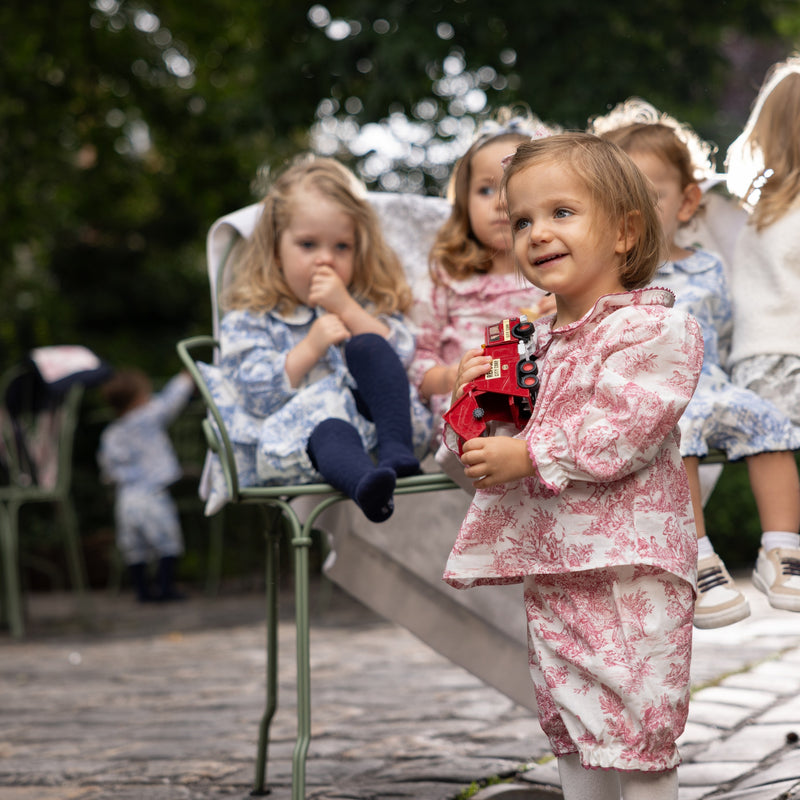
[295, 531]
[20, 489]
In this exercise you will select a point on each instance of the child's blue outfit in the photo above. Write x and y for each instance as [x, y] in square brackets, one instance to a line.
[136, 454]
[720, 415]
[270, 422]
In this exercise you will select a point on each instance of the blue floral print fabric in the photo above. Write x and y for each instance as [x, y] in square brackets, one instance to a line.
[269, 421]
[720, 414]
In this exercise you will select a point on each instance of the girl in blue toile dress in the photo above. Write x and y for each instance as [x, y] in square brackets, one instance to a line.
[311, 381]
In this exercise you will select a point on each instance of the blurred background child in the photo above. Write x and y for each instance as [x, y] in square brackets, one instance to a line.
[474, 282]
[137, 456]
[720, 415]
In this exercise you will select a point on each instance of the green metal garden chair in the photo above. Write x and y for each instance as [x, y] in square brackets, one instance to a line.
[223, 238]
[21, 486]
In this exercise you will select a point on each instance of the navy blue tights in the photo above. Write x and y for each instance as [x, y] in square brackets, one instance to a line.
[335, 446]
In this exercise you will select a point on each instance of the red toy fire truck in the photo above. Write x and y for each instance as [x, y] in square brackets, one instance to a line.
[508, 391]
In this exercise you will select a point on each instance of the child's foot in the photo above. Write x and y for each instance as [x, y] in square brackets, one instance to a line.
[718, 602]
[399, 459]
[374, 494]
[777, 574]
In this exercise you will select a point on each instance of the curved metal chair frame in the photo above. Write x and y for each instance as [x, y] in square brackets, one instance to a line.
[20, 491]
[298, 533]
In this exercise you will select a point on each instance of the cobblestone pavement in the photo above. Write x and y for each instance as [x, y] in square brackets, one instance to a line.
[163, 703]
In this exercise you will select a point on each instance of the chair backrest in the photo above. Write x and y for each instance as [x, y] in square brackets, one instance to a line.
[408, 221]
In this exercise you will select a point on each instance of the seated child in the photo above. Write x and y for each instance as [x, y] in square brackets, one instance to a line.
[314, 346]
[720, 414]
[473, 280]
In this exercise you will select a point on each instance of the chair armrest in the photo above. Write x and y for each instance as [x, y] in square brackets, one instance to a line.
[218, 442]
[216, 434]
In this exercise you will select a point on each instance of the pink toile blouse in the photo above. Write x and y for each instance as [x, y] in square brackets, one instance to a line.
[610, 488]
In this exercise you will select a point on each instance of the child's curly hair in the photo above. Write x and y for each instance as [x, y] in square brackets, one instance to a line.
[764, 162]
[258, 283]
[457, 251]
[636, 125]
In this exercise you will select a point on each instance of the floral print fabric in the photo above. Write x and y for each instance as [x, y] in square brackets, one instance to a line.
[609, 653]
[451, 317]
[610, 488]
[269, 421]
[720, 414]
[775, 378]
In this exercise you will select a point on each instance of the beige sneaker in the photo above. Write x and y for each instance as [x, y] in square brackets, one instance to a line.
[777, 574]
[718, 602]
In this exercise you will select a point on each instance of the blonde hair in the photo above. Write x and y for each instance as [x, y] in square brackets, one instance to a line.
[639, 127]
[764, 161]
[457, 250]
[615, 185]
[258, 283]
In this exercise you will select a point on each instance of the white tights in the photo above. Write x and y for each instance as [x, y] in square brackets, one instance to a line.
[579, 783]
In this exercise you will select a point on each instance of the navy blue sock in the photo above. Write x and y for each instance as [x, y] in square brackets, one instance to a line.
[140, 578]
[336, 450]
[383, 389]
[165, 575]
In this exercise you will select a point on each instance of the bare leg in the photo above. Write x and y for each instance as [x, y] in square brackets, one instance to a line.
[776, 488]
[692, 466]
[774, 479]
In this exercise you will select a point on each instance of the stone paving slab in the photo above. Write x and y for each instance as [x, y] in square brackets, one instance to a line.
[163, 703]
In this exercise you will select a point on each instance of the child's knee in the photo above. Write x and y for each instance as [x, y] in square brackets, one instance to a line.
[366, 345]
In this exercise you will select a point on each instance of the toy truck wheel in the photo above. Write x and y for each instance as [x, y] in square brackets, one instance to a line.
[523, 330]
[478, 413]
[528, 377]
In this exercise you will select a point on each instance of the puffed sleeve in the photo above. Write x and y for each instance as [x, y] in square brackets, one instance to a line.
[253, 357]
[615, 404]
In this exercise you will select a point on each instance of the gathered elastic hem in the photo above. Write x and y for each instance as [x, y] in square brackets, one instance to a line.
[605, 762]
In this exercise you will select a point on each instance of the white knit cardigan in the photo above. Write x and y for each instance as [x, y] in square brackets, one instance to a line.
[765, 287]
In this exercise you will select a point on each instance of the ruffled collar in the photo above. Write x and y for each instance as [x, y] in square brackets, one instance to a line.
[299, 315]
[605, 305]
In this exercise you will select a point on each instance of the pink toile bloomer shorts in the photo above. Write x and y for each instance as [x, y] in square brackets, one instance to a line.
[610, 651]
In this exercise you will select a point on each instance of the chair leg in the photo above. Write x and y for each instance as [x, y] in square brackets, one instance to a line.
[77, 567]
[301, 544]
[216, 530]
[301, 541]
[10, 554]
[273, 537]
